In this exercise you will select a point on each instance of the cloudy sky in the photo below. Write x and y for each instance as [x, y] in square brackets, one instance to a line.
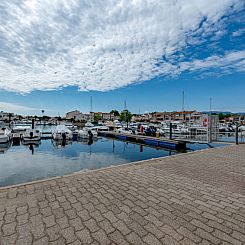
[55, 54]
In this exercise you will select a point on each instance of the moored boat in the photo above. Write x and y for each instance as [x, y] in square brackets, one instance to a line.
[5, 135]
[31, 136]
[61, 132]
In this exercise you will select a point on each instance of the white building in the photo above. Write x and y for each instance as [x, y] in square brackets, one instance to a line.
[82, 117]
[72, 114]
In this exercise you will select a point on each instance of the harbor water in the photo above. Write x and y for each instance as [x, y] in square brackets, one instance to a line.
[24, 163]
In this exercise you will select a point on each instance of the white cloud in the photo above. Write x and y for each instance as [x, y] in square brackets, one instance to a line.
[234, 60]
[15, 108]
[100, 45]
[239, 32]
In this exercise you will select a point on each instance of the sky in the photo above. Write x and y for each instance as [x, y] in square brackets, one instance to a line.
[55, 55]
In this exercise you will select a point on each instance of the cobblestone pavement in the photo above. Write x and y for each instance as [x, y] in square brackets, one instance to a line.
[196, 198]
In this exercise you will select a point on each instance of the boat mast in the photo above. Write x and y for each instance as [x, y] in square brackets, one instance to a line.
[91, 107]
[183, 101]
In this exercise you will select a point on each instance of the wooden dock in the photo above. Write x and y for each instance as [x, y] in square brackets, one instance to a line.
[147, 140]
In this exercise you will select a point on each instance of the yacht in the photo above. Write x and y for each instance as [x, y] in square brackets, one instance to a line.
[61, 132]
[87, 133]
[21, 128]
[31, 136]
[5, 135]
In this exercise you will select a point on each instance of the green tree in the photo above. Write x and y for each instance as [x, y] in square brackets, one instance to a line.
[115, 113]
[125, 116]
[97, 117]
[223, 115]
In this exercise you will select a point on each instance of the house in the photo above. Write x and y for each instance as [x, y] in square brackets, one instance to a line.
[72, 114]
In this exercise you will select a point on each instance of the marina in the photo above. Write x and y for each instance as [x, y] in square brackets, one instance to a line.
[49, 151]
[122, 122]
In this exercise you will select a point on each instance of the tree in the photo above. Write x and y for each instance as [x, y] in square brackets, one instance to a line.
[115, 113]
[97, 117]
[222, 116]
[125, 116]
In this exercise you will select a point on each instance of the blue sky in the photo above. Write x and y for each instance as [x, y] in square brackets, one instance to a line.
[144, 52]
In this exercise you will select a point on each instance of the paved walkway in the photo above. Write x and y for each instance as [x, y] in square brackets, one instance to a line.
[196, 198]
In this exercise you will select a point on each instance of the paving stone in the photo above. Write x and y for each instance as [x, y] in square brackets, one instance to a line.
[9, 240]
[168, 240]
[101, 237]
[69, 234]
[41, 241]
[84, 236]
[49, 221]
[188, 198]
[171, 232]
[151, 240]
[225, 237]
[133, 238]
[9, 229]
[77, 224]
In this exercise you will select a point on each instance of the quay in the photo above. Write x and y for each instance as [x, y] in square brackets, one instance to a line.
[190, 198]
[147, 140]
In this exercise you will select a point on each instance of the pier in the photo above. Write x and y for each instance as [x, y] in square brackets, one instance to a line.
[147, 140]
[192, 198]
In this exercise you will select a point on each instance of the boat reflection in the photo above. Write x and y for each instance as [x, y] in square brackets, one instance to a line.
[61, 143]
[4, 147]
[89, 141]
[32, 146]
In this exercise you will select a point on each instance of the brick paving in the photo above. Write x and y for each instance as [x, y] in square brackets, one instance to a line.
[196, 198]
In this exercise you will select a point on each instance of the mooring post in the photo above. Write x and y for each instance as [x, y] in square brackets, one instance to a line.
[237, 126]
[32, 123]
[170, 130]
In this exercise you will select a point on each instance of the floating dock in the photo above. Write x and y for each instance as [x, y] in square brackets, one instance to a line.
[147, 140]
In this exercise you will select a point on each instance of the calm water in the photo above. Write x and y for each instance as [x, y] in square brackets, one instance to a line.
[24, 163]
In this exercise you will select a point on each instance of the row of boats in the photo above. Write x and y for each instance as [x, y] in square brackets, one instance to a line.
[30, 135]
[67, 131]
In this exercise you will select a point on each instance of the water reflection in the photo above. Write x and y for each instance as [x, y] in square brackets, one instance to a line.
[4, 147]
[23, 163]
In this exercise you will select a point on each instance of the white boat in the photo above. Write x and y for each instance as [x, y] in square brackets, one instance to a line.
[5, 135]
[31, 136]
[89, 125]
[124, 131]
[87, 133]
[70, 126]
[21, 128]
[61, 132]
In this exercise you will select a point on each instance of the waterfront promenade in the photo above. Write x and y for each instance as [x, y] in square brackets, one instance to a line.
[194, 198]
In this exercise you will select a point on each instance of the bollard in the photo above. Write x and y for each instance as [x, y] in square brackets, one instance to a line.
[236, 134]
[170, 131]
[32, 124]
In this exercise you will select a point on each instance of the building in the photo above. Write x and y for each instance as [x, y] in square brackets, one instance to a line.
[82, 117]
[72, 114]
[5, 116]
[183, 116]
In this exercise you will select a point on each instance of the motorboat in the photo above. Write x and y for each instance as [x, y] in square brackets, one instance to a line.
[70, 126]
[31, 136]
[87, 133]
[5, 135]
[89, 125]
[21, 128]
[61, 132]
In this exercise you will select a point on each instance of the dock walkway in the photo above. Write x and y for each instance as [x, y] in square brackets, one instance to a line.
[147, 140]
[192, 198]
